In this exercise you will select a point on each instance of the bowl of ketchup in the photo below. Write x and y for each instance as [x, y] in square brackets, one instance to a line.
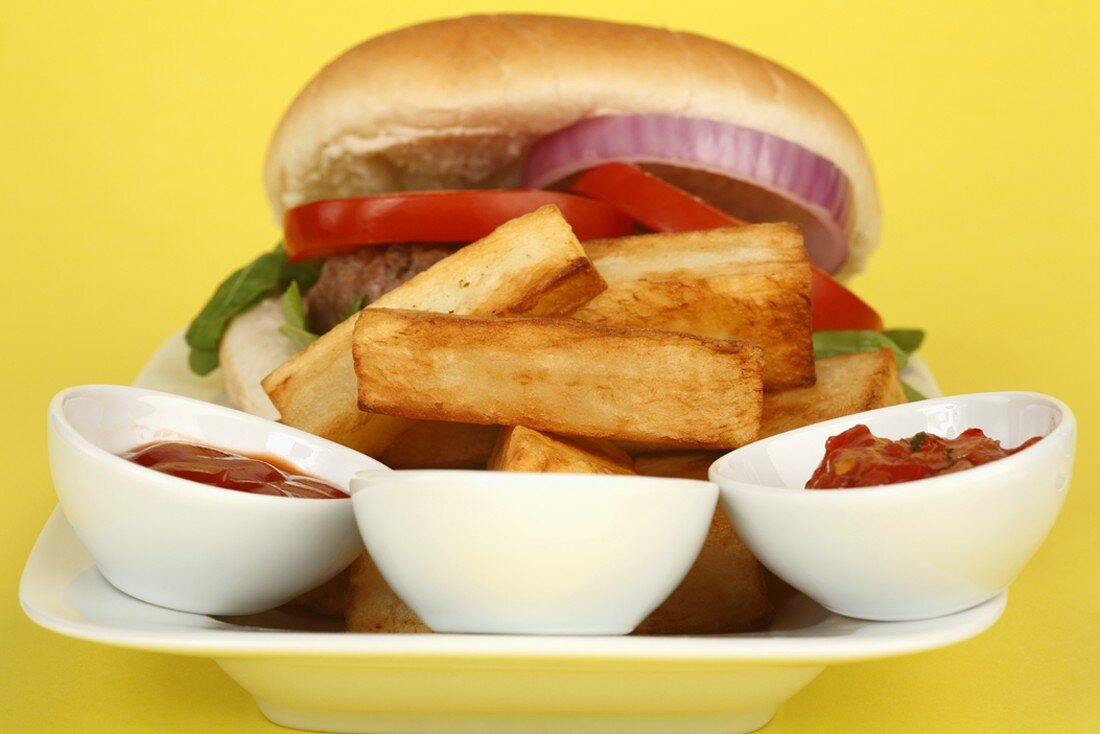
[906, 512]
[197, 507]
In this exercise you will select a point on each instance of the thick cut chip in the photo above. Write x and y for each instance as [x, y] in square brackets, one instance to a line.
[851, 383]
[726, 589]
[750, 283]
[441, 445]
[530, 265]
[561, 376]
[372, 606]
[682, 464]
[525, 449]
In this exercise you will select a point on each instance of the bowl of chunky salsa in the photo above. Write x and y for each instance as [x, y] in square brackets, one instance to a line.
[858, 458]
[906, 512]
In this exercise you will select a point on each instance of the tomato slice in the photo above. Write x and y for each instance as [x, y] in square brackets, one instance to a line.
[835, 308]
[658, 205]
[325, 228]
[662, 207]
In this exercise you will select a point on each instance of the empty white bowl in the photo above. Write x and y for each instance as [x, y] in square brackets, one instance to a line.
[185, 545]
[911, 550]
[519, 553]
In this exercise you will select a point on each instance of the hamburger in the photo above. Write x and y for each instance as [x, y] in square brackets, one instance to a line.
[414, 143]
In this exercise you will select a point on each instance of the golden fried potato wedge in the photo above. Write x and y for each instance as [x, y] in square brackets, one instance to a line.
[725, 590]
[682, 464]
[847, 384]
[441, 445]
[525, 449]
[372, 606]
[530, 265]
[561, 376]
[750, 283]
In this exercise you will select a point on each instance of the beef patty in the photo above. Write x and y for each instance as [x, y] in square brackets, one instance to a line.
[363, 276]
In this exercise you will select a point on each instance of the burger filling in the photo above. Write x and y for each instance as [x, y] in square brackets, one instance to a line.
[354, 280]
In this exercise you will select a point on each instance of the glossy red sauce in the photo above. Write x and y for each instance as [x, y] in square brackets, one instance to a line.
[858, 458]
[228, 470]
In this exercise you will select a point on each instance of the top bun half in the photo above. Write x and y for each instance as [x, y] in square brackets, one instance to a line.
[456, 104]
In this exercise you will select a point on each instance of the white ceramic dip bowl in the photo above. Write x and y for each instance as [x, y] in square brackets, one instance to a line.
[911, 550]
[185, 545]
[520, 553]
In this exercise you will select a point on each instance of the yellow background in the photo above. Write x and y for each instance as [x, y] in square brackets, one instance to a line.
[131, 140]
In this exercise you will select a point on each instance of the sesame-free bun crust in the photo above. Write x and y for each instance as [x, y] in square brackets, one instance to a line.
[456, 104]
[251, 348]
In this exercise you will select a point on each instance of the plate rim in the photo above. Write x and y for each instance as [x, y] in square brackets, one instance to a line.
[222, 639]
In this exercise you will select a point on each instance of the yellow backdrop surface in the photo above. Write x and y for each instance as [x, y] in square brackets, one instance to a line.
[131, 140]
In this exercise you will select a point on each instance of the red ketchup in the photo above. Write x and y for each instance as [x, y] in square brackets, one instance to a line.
[858, 458]
[228, 470]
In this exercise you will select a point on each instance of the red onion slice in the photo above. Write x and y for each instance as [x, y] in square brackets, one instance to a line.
[782, 169]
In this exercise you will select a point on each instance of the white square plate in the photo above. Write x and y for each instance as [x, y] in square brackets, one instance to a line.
[475, 684]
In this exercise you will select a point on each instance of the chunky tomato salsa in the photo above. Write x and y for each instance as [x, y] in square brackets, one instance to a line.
[858, 458]
[228, 470]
